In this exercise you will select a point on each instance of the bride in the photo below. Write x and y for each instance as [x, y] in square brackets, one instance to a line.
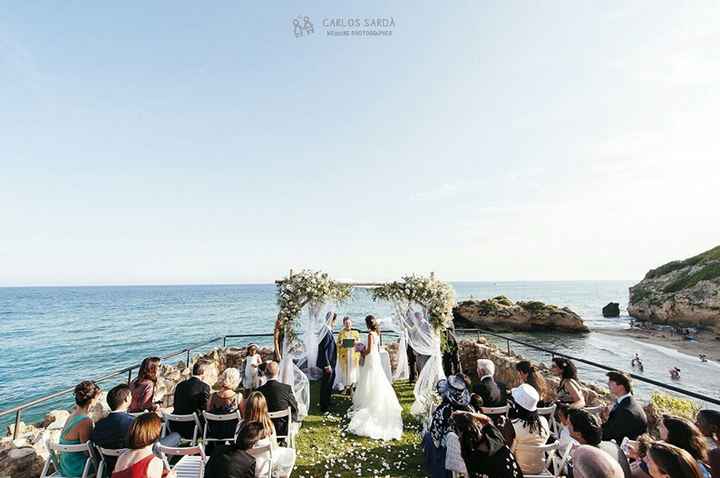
[376, 412]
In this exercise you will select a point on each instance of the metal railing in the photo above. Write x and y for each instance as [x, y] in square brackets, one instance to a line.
[17, 410]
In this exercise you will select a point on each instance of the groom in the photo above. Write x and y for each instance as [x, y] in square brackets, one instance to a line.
[327, 358]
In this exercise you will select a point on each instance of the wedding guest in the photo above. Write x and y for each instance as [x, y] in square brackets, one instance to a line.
[568, 390]
[586, 429]
[451, 354]
[684, 434]
[455, 397]
[591, 462]
[565, 439]
[529, 374]
[223, 402]
[139, 461]
[668, 461]
[78, 428]
[493, 394]
[327, 361]
[483, 448]
[530, 429]
[256, 410]
[278, 396]
[626, 418]
[252, 362]
[191, 396]
[143, 387]
[708, 421]
[111, 432]
[234, 461]
[348, 358]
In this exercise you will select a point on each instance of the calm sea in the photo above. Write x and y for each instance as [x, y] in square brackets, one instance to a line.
[53, 337]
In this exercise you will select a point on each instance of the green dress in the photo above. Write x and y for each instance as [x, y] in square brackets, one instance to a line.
[72, 464]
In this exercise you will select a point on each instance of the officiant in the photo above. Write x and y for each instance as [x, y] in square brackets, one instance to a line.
[348, 357]
[326, 360]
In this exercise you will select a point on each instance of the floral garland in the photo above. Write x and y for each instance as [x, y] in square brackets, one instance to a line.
[297, 290]
[437, 297]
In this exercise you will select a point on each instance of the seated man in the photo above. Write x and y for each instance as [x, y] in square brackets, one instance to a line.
[586, 429]
[112, 431]
[234, 461]
[493, 394]
[191, 396]
[627, 418]
[591, 462]
[279, 396]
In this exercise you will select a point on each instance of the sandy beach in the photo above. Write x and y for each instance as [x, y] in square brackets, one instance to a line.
[706, 342]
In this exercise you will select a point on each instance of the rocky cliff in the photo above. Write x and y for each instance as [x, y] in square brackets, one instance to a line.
[500, 313]
[683, 293]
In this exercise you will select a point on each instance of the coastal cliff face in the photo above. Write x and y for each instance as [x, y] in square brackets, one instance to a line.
[501, 314]
[683, 293]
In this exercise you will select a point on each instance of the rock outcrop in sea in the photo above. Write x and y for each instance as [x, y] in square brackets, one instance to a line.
[611, 310]
[685, 293]
[501, 314]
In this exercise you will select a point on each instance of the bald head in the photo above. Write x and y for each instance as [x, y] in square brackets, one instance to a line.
[591, 462]
[272, 368]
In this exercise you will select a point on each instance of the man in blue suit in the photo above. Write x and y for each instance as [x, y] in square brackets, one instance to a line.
[327, 359]
[111, 431]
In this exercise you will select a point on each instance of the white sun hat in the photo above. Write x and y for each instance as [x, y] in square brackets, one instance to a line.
[526, 396]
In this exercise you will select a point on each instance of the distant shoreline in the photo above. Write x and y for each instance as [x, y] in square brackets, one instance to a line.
[704, 343]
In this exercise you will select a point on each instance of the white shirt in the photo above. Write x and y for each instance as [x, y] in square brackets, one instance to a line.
[486, 376]
[620, 399]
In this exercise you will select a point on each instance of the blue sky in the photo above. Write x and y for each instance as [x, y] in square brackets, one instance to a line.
[185, 143]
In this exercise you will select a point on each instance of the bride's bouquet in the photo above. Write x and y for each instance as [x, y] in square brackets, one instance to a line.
[360, 347]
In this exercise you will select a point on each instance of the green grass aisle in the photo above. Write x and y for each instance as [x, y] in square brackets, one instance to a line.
[326, 450]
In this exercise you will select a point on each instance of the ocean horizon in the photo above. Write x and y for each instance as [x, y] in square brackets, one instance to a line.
[55, 336]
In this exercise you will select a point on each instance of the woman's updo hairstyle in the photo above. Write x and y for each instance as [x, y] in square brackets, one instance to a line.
[85, 392]
[372, 323]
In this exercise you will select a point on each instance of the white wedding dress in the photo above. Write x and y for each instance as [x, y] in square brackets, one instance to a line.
[376, 411]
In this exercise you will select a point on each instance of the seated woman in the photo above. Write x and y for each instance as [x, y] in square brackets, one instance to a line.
[142, 388]
[708, 421]
[455, 397]
[565, 440]
[568, 391]
[78, 428]
[483, 448]
[668, 461]
[234, 461]
[684, 434]
[530, 375]
[139, 461]
[223, 402]
[256, 410]
[530, 429]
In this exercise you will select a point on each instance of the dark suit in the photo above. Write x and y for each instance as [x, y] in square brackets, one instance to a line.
[494, 394]
[191, 396]
[111, 432]
[627, 419]
[327, 357]
[279, 396]
[228, 462]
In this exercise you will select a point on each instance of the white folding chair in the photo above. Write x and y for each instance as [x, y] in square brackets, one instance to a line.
[489, 411]
[105, 452]
[192, 463]
[549, 414]
[290, 436]
[190, 417]
[224, 418]
[136, 414]
[554, 464]
[263, 452]
[55, 449]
